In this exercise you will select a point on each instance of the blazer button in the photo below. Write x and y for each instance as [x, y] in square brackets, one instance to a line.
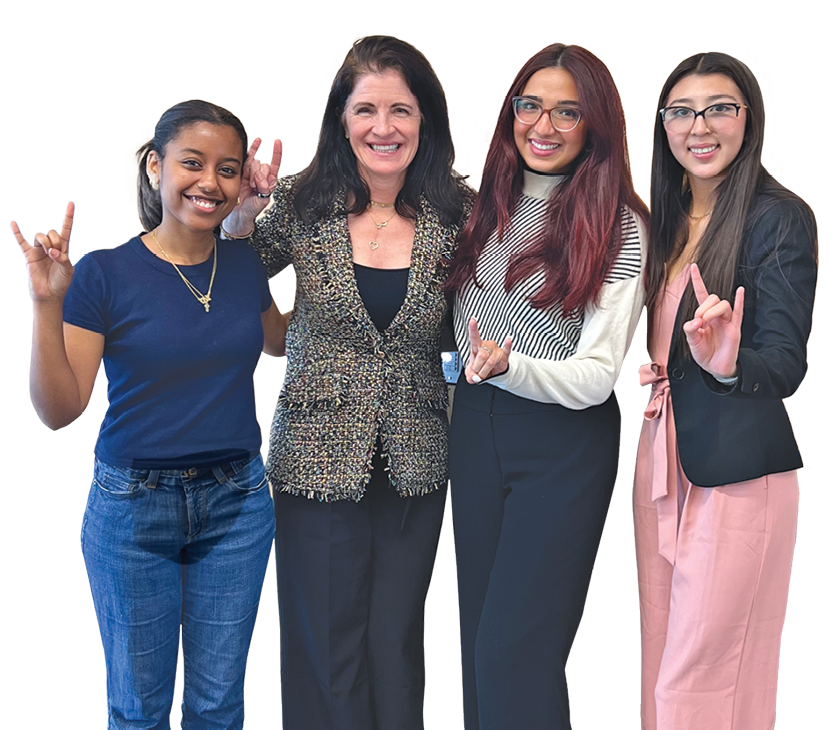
[755, 388]
[677, 374]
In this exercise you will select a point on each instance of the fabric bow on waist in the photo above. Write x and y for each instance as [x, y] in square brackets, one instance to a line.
[664, 453]
[653, 374]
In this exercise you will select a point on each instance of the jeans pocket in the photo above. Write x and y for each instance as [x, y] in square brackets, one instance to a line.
[250, 477]
[91, 495]
[117, 481]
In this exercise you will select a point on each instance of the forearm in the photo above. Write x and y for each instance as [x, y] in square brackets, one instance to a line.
[772, 359]
[587, 377]
[773, 372]
[270, 236]
[53, 386]
[274, 331]
[575, 383]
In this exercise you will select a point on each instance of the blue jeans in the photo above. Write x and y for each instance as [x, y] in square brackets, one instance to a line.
[171, 551]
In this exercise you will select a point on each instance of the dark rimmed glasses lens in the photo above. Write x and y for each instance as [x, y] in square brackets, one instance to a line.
[717, 116]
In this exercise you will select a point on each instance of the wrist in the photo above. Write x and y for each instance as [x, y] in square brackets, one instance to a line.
[728, 378]
[235, 226]
[48, 306]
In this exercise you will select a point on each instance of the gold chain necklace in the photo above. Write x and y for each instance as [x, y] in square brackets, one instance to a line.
[374, 244]
[699, 217]
[203, 299]
[381, 205]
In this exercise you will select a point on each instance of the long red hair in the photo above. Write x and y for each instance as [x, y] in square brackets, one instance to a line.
[581, 238]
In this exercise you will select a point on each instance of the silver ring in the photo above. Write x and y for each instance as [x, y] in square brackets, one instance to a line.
[484, 347]
[263, 195]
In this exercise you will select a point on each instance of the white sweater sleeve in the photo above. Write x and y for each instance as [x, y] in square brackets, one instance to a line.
[586, 378]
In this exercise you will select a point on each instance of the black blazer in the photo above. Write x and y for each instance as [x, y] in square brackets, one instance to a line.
[728, 434]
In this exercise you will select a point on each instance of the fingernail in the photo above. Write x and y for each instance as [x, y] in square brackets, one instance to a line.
[476, 378]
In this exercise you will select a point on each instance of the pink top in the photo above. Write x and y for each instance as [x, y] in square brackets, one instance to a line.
[659, 433]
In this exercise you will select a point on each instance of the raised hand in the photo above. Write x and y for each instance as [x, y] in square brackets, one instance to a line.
[486, 357]
[258, 180]
[47, 260]
[714, 335]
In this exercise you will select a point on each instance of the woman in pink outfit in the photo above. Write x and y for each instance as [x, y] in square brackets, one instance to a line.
[731, 274]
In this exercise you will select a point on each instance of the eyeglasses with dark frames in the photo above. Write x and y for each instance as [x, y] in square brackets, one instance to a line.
[717, 116]
[529, 111]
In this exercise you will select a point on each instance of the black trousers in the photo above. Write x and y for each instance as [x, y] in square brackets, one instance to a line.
[531, 484]
[352, 581]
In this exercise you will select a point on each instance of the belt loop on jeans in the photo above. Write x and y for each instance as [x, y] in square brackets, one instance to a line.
[151, 482]
[221, 477]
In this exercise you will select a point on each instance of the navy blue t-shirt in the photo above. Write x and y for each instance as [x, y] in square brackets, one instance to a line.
[180, 379]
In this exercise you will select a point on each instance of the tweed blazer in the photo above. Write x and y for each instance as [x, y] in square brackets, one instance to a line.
[348, 384]
[728, 434]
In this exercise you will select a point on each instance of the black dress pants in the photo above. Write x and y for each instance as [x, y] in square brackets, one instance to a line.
[531, 484]
[352, 581]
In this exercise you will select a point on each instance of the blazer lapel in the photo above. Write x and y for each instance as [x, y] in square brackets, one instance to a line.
[334, 235]
[336, 251]
[425, 256]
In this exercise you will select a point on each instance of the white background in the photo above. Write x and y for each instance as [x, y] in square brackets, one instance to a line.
[83, 87]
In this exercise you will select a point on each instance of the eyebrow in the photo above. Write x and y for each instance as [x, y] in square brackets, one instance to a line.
[710, 99]
[371, 103]
[563, 102]
[199, 153]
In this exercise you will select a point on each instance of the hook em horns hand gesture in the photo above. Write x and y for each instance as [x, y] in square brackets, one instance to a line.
[714, 335]
[486, 357]
[47, 260]
[258, 180]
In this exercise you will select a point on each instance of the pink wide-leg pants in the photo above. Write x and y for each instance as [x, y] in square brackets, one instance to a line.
[712, 621]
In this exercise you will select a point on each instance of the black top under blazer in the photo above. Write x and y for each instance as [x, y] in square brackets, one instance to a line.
[728, 434]
[348, 384]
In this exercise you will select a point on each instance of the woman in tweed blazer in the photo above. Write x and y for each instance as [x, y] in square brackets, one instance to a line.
[358, 452]
[347, 383]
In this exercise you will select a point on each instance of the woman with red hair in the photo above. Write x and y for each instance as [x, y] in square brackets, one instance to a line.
[548, 292]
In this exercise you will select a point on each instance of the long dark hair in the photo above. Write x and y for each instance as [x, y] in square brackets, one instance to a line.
[173, 121]
[737, 207]
[581, 237]
[334, 166]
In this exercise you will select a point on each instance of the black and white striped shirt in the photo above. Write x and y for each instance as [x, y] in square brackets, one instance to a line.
[572, 360]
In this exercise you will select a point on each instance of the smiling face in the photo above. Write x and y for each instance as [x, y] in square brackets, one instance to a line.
[541, 146]
[706, 151]
[199, 176]
[382, 121]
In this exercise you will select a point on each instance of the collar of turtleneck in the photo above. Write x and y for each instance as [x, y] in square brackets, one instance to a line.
[537, 185]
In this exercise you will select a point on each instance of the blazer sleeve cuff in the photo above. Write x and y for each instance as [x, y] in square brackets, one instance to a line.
[722, 388]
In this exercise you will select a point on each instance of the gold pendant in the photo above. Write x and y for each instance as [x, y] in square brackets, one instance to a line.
[373, 245]
[380, 225]
[205, 300]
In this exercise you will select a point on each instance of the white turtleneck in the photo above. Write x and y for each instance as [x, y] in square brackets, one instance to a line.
[572, 360]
